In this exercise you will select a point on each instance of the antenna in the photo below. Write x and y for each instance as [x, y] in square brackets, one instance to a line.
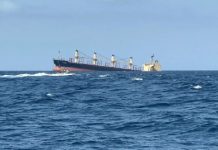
[152, 58]
[59, 54]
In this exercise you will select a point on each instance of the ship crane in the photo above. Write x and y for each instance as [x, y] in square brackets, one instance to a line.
[95, 59]
[113, 61]
[76, 60]
[131, 63]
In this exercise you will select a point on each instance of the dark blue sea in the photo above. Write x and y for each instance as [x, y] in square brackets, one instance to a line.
[109, 111]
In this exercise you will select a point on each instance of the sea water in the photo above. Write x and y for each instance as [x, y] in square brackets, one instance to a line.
[109, 110]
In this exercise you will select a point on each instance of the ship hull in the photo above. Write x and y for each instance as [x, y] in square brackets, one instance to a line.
[63, 66]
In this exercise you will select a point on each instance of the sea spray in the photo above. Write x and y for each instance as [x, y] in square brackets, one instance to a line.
[37, 75]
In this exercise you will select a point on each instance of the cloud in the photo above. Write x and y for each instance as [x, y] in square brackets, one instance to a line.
[8, 6]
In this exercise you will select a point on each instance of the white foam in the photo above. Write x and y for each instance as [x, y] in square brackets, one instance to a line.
[197, 87]
[137, 79]
[42, 74]
[49, 95]
[104, 75]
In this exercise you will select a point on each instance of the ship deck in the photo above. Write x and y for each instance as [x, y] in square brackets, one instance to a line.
[63, 65]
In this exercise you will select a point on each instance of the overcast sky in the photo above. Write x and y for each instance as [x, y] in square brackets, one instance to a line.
[183, 34]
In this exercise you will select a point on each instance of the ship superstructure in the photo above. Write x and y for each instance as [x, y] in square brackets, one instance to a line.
[154, 65]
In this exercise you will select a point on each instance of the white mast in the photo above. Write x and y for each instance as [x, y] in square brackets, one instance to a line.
[113, 61]
[95, 59]
[131, 63]
[76, 60]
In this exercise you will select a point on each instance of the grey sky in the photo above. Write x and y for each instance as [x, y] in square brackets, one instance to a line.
[181, 33]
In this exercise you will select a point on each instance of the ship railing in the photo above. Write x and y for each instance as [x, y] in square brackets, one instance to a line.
[107, 64]
[99, 63]
[136, 68]
[85, 60]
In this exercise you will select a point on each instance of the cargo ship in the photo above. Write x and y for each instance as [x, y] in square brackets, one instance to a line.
[82, 63]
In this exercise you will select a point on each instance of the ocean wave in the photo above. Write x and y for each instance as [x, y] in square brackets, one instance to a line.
[167, 105]
[104, 75]
[42, 74]
[49, 94]
[197, 87]
[137, 79]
